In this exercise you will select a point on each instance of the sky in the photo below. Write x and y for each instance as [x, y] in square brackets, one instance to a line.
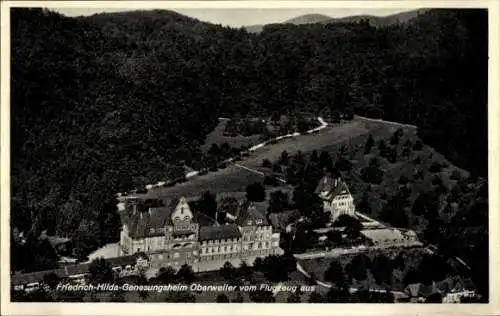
[237, 17]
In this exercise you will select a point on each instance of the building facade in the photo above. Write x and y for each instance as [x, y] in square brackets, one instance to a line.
[337, 199]
[171, 235]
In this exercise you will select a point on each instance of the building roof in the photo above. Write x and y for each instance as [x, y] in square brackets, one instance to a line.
[329, 187]
[151, 214]
[219, 232]
[252, 214]
[383, 234]
[203, 219]
[281, 220]
[421, 290]
[33, 277]
[74, 269]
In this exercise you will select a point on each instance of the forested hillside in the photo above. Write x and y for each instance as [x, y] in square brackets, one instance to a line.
[109, 102]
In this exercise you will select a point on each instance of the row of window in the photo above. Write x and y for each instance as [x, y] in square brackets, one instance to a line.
[218, 249]
[222, 241]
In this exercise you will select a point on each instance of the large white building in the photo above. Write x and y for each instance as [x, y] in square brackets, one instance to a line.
[336, 197]
[171, 235]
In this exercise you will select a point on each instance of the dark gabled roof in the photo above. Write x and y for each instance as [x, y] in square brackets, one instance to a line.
[149, 216]
[203, 219]
[219, 232]
[281, 220]
[32, 277]
[75, 269]
[327, 183]
[252, 214]
[331, 185]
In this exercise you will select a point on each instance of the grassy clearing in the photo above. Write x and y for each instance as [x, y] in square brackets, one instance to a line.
[217, 137]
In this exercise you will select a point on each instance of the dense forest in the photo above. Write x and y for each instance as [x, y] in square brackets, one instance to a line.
[109, 102]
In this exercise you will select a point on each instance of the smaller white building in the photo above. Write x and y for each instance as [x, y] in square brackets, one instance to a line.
[336, 197]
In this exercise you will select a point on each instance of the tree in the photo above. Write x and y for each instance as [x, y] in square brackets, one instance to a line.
[352, 226]
[372, 173]
[392, 154]
[244, 271]
[394, 212]
[166, 275]
[302, 124]
[100, 271]
[51, 279]
[266, 163]
[293, 298]
[306, 201]
[358, 266]
[382, 148]
[222, 298]
[370, 142]
[325, 161]
[396, 136]
[208, 204]
[257, 264]
[434, 298]
[335, 274]
[316, 297]
[277, 268]
[284, 158]
[261, 296]
[338, 295]
[335, 237]
[186, 274]
[343, 163]
[314, 158]
[381, 269]
[238, 298]
[278, 202]
[256, 192]
[227, 271]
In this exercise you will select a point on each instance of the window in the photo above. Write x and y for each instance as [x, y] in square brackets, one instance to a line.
[177, 218]
[182, 210]
[176, 255]
[224, 248]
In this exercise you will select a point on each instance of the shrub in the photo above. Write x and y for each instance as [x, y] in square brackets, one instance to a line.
[266, 163]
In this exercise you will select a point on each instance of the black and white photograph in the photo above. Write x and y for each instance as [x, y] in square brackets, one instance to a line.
[248, 155]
